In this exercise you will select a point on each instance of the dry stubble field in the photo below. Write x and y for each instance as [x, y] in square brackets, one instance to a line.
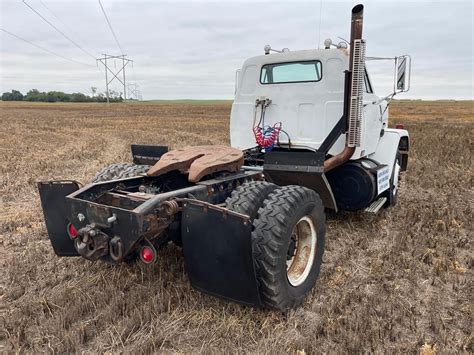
[397, 282]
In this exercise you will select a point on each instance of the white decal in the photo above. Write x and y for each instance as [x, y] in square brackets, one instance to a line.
[383, 179]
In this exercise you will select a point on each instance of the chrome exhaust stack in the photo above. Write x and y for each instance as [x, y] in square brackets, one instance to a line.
[354, 93]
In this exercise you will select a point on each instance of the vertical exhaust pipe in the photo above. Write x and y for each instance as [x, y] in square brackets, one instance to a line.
[352, 94]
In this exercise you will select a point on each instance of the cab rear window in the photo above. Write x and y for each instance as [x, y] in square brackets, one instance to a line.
[294, 72]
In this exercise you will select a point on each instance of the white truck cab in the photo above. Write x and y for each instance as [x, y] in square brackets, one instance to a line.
[306, 89]
[322, 101]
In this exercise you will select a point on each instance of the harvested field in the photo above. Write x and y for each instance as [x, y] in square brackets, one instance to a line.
[397, 282]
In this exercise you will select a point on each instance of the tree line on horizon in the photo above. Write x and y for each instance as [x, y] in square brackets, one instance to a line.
[35, 95]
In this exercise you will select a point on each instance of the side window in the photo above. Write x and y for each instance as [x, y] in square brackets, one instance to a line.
[295, 72]
[367, 85]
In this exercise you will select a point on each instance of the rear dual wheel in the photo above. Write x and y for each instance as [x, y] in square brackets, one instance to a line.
[120, 171]
[287, 240]
[248, 197]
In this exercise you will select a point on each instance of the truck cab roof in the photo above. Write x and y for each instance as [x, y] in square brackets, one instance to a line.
[298, 55]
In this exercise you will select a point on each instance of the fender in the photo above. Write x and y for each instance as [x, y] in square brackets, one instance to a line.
[392, 141]
[304, 168]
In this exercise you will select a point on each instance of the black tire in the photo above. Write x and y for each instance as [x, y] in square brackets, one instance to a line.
[271, 240]
[249, 197]
[119, 171]
[393, 191]
[134, 170]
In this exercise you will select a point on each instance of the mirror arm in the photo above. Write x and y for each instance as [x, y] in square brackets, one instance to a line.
[385, 98]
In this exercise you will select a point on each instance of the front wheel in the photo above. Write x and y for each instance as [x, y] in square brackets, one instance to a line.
[395, 180]
[288, 245]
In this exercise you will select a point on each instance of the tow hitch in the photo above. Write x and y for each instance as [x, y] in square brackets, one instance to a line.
[91, 243]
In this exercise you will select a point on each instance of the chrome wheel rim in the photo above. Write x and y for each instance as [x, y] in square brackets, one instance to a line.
[301, 251]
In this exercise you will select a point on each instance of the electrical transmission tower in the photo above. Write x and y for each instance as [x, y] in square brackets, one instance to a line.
[134, 90]
[115, 74]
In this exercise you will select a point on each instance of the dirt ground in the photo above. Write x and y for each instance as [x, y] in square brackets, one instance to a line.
[397, 282]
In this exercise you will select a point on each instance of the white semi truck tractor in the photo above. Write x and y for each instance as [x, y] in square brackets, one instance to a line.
[308, 134]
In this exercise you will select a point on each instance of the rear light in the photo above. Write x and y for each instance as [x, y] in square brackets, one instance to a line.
[71, 231]
[147, 254]
[400, 126]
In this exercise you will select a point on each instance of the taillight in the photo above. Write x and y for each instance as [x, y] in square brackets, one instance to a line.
[147, 254]
[71, 231]
[400, 126]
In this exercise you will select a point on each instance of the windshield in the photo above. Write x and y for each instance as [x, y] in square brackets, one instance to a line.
[294, 72]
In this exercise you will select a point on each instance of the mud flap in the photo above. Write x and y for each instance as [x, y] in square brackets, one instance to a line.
[56, 214]
[218, 252]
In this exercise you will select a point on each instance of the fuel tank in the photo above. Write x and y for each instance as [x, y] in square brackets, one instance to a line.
[354, 184]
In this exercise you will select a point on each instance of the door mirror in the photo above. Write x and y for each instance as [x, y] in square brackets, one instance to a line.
[402, 74]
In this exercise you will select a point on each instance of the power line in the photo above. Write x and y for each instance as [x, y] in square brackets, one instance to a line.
[44, 49]
[57, 29]
[64, 24]
[110, 26]
[57, 18]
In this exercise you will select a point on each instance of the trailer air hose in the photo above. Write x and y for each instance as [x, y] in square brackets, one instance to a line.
[266, 136]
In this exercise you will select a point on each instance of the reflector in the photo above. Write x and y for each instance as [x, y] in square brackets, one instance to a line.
[147, 254]
[400, 126]
[71, 231]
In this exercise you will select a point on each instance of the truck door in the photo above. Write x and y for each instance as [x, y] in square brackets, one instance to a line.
[372, 119]
[295, 91]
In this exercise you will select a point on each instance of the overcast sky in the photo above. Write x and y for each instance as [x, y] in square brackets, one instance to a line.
[191, 49]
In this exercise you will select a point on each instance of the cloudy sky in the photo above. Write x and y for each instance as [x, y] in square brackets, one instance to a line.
[191, 49]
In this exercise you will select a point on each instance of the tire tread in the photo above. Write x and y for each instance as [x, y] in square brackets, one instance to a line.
[248, 197]
[268, 239]
[119, 171]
